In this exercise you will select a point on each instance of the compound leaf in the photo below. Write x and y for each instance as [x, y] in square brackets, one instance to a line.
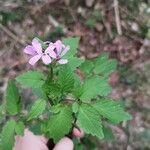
[33, 79]
[60, 123]
[37, 109]
[8, 135]
[95, 86]
[13, 98]
[111, 110]
[89, 120]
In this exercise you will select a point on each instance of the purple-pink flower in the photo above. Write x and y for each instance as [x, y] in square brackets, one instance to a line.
[55, 51]
[60, 49]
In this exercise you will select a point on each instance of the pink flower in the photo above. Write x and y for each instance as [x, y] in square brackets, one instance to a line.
[35, 50]
[60, 49]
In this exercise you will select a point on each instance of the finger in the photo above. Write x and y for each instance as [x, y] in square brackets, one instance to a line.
[29, 141]
[78, 133]
[64, 144]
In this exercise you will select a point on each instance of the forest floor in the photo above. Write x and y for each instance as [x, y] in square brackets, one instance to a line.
[125, 37]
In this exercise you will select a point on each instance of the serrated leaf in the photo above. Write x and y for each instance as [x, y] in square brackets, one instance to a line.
[36, 128]
[60, 124]
[32, 79]
[73, 43]
[37, 109]
[78, 88]
[2, 112]
[19, 128]
[52, 89]
[95, 86]
[103, 65]
[66, 78]
[74, 62]
[89, 120]
[87, 67]
[111, 110]
[8, 135]
[75, 107]
[13, 99]
[108, 135]
[39, 92]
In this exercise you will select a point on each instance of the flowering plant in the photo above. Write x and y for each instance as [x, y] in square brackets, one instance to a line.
[64, 100]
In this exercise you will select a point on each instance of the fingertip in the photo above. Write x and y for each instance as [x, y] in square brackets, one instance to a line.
[78, 133]
[64, 144]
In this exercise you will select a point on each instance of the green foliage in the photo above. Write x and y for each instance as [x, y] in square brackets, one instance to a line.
[13, 99]
[67, 99]
[93, 87]
[37, 109]
[2, 112]
[65, 78]
[59, 123]
[32, 79]
[89, 120]
[7, 137]
[11, 16]
[108, 135]
[73, 61]
[73, 43]
[95, 17]
[90, 23]
[101, 65]
[75, 107]
[111, 110]
[19, 128]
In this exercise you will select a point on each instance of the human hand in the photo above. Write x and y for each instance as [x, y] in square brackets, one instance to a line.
[32, 142]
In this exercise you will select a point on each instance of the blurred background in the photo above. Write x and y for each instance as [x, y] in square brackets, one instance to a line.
[119, 27]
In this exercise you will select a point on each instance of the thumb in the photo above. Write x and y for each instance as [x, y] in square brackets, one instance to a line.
[64, 144]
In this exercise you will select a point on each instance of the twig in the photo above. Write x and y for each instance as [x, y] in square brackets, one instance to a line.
[12, 35]
[117, 17]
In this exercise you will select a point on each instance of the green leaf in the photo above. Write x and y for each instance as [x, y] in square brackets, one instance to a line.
[89, 120]
[108, 135]
[103, 65]
[39, 92]
[32, 79]
[13, 99]
[66, 78]
[74, 62]
[2, 112]
[37, 109]
[7, 137]
[36, 128]
[60, 124]
[95, 86]
[78, 88]
[73, 43]
[19, 128]
[75, 107]
[111, 110]
[87, 67]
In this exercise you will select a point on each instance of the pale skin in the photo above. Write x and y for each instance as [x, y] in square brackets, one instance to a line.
[32, 142]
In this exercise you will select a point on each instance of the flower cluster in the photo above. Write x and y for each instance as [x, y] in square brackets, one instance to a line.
[54, 51]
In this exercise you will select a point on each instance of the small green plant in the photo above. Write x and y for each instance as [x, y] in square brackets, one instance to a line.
[64, 99]
[95, 17]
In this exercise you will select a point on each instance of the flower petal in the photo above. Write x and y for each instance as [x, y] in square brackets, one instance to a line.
[50, 51]
[46, 59]
[63, 61]
[65, 50]
[37, 45]
[30, 50]
[58, 44]
[34, 59]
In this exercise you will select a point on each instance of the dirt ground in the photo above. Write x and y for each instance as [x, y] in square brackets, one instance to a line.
[121, 30]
